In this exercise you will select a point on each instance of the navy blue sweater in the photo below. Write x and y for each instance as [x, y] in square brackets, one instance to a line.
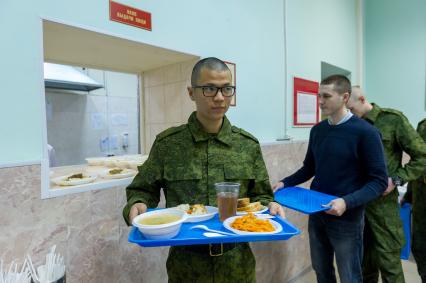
[347, 161]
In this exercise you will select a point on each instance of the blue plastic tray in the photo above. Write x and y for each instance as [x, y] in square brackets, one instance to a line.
[405, 212]
[195, 237]
[303, 200]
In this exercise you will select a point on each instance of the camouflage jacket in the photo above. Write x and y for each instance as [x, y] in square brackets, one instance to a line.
[186, 162]
[397, 136]
[416, 193]
[421, 129]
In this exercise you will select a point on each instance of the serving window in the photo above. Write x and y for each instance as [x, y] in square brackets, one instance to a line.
[111, 128]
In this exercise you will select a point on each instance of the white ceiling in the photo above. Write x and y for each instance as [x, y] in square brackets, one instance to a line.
[79, 47]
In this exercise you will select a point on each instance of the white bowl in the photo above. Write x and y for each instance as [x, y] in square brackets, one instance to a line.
[122, 163]
[211, 212]
[161, 231]
[110, 162]
[95, 161]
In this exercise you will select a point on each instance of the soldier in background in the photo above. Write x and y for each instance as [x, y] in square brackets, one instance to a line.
[186, 161]
[416, 195]
[384, 235]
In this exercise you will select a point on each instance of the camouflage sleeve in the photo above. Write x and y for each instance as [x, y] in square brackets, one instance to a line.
[421, 129]
[411, 142]
[261, 188]
[145, 187]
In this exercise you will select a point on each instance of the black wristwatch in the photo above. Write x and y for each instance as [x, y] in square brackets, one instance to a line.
[397, 181]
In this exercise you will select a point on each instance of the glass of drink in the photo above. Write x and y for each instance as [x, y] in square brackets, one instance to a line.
[227, 197]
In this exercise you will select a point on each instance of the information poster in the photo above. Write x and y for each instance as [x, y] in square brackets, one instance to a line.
[306, 105]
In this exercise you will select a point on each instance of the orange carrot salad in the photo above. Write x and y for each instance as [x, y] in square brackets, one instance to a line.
[251, 223]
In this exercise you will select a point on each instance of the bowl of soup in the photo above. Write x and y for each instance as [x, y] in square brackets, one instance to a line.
[160, 224]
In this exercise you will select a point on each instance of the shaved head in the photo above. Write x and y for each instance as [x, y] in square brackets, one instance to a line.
[356, 92]
[357, 103]
[210, 63]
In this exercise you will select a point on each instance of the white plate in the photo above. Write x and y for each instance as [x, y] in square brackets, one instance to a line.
[126, 173]
[228, 221]
[95, 161]
[62, 181]
[211, 212]
[265, 208]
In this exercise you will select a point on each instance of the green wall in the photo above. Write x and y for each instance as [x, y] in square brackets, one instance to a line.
[395, 55]
[246, 32]
[249, 33]
[318, 31]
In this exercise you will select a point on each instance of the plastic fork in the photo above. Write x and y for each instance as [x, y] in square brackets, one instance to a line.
[204, 227]
[210, 235]
[264, 216]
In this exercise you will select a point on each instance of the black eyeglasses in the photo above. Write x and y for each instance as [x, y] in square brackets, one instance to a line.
[212, 91]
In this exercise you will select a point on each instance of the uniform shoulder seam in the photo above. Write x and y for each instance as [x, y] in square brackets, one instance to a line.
[170, 131]
[393, 111]
[244, 133]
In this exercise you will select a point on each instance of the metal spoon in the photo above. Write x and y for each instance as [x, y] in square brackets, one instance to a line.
[204, 227]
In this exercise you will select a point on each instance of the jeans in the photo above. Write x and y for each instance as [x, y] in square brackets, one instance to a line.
[329, 236]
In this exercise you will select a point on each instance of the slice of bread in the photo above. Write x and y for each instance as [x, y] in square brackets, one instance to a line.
[243, 202]
[252, 207]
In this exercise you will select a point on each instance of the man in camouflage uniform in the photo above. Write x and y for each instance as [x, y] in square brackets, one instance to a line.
[417, 196]
[186, 161]
[383, 233]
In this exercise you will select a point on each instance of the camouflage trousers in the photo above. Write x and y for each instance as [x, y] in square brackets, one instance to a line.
[236, 265]
[383, 240]
[419, 227]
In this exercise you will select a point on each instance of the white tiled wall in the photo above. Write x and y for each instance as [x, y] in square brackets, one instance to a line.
[166, 98]
[72, 130]
[79, 120]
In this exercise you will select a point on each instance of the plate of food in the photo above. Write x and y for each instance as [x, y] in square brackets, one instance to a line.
[250, 224]
[118, 173]
[198, 212]
[95, 161]
[74, 179]
[244, 206]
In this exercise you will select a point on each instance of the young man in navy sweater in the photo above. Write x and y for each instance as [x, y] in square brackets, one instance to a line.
[345, 157]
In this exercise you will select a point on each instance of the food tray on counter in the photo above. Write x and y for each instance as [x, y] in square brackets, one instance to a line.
[303, 200]
[188, 236]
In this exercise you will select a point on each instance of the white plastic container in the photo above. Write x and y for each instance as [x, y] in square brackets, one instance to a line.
[161, 231]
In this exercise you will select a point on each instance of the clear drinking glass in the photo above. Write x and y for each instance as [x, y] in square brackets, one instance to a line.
[227, 198]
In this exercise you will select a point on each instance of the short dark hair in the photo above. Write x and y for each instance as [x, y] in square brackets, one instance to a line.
[210, 63]
[341, 84]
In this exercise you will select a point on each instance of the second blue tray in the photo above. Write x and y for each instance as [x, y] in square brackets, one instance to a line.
[303, 200]
[196, 237]
[405, 212]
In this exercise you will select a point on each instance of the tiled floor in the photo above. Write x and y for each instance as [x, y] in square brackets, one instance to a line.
[409, 266]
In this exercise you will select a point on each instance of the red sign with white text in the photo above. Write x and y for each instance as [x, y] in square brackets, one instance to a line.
[129, 15]
[305, 102]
